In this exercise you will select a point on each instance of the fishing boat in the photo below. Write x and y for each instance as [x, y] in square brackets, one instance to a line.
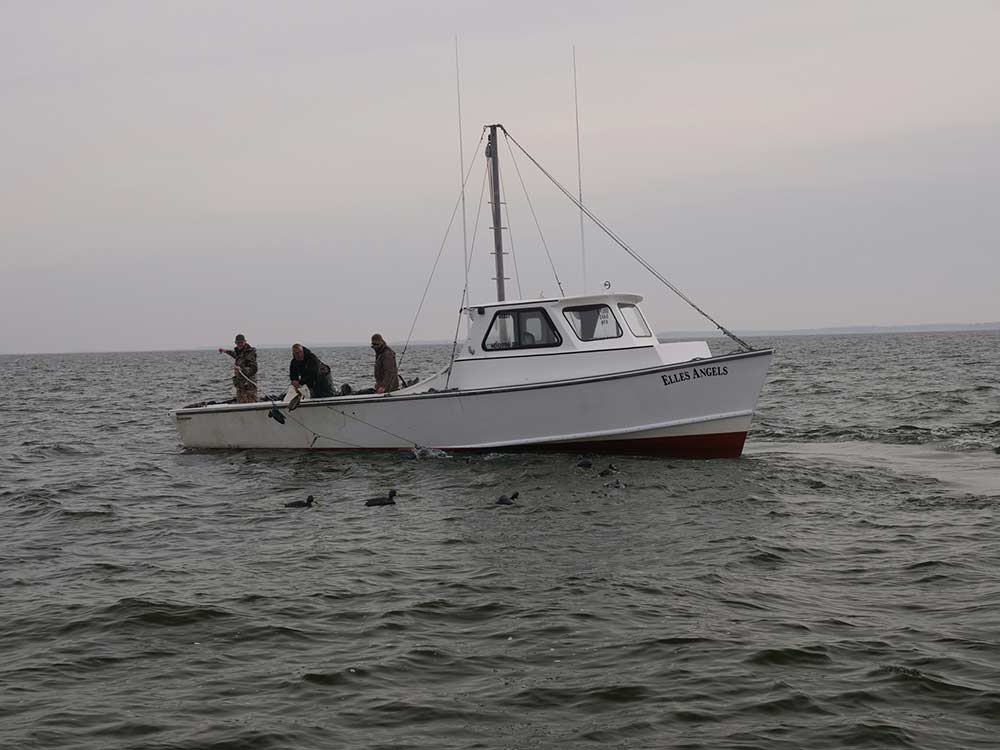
[576, 373]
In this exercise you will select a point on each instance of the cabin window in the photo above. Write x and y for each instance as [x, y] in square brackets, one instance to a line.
[520, 329]
[634, 321]
[593, 322]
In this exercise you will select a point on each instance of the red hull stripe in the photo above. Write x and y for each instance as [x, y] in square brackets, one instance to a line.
[718, 445]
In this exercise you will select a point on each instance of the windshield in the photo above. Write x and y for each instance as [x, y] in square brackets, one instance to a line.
[634, 321]
[593, 322]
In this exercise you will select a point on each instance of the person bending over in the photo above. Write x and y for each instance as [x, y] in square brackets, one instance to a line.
[307, 369]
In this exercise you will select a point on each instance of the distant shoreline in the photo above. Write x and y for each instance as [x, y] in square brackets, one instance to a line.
[662, 336]
[843, 330]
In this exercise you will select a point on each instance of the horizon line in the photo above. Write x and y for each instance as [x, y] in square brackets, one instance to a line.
[661, 335]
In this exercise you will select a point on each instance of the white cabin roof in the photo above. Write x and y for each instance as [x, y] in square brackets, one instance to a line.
[582, 299]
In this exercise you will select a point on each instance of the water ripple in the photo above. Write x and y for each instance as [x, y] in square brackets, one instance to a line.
[835, 587]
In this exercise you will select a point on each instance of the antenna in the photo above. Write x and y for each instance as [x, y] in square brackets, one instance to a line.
[579, 175]
[461, 176]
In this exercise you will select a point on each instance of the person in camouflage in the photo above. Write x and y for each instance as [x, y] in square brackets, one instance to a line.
[386, 373]
[244, 370]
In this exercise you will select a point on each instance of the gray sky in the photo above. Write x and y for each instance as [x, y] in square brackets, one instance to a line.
[172, 173]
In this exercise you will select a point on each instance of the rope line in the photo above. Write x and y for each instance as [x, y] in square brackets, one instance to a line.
[335, 409]
[624, 246]
[369, 424]
[300, 424]
[317, 435]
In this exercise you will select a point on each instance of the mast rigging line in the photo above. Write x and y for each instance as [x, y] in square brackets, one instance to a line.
[624, 246]
[437, 259]
[533, 215]
[475, 230]
[465, 291]
[510, 235]
[454, 343]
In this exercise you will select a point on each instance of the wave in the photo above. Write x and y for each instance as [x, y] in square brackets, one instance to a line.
[915, 681]
[138, 614]
[104, 510]
[38, 449]
[960, 437]
[806, 656]
[880, 734]
[443, 609]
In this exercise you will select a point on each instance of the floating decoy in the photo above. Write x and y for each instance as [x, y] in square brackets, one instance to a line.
[373, 502]
[504, 500]
[307, 503]
[612, 469]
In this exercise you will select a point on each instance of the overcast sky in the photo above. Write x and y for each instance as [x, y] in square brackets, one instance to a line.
[174, 173]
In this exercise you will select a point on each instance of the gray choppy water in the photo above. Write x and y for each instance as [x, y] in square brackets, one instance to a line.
[838, 586]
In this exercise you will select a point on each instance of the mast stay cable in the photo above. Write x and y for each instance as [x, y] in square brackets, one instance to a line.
[533, 215]
[465, 291]
[624, 246]
[437, 259]
[475, 227]
[510, 235]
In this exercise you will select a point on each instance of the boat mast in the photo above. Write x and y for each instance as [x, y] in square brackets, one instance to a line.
[492, 157]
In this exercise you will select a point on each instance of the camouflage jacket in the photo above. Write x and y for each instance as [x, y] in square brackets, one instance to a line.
[246, 360]
[386, 374]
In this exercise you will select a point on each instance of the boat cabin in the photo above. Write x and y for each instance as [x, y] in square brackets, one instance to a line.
[537, 327]
[554, 340]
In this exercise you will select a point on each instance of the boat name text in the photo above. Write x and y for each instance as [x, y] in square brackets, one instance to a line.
[695, 374]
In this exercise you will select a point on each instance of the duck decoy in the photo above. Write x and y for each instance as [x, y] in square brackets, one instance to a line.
[612, 469]
[307, 503]
[373, 502]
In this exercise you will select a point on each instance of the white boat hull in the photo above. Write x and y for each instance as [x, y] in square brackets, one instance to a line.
[698, 409]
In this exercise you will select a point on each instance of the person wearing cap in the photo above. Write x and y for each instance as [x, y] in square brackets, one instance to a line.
[244, 370]
[386, 373]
